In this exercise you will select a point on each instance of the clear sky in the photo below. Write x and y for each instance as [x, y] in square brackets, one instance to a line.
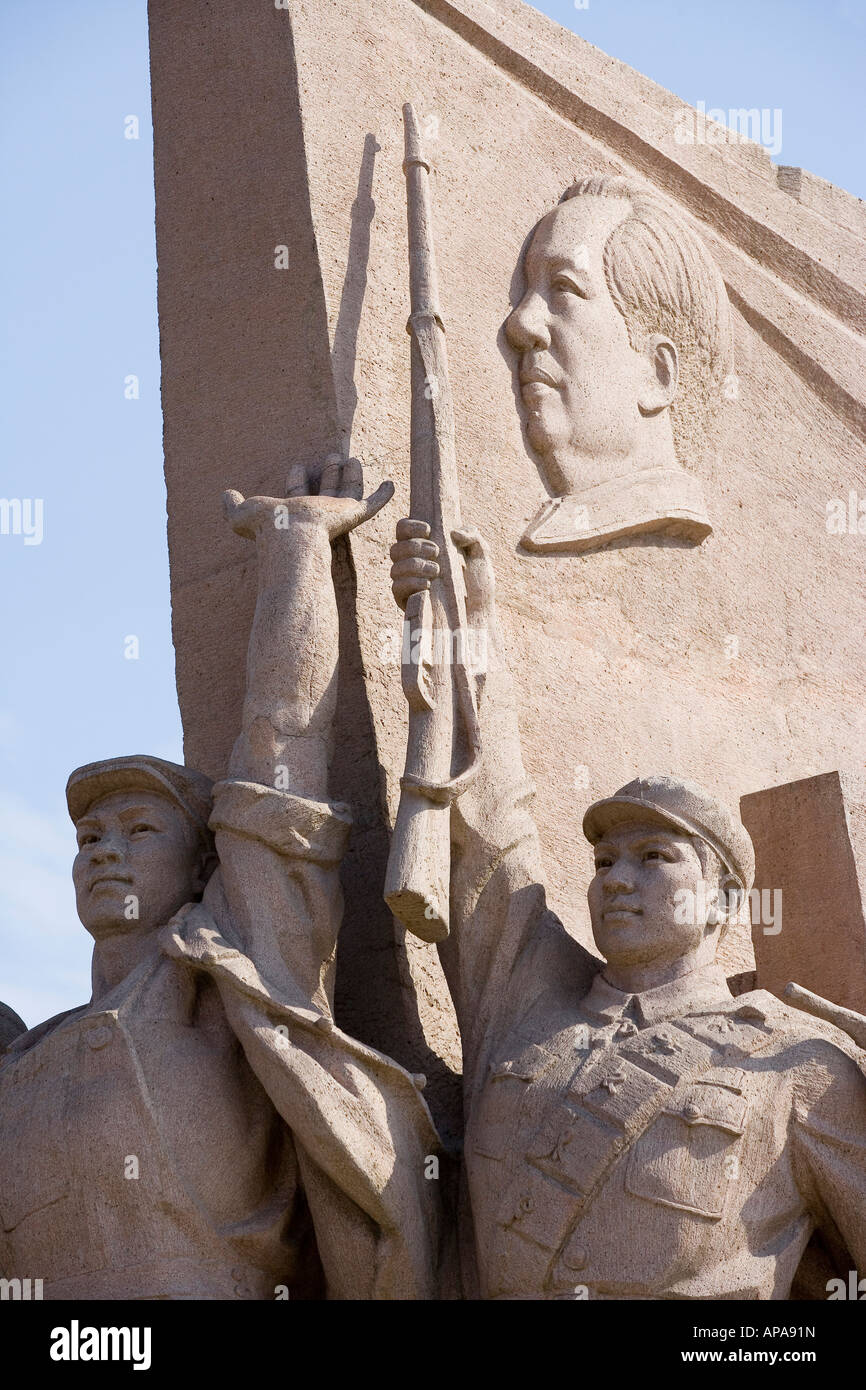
[79, 290]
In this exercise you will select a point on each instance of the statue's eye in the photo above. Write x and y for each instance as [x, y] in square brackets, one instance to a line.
[142, 828]
[566, 285]
[87, 840]
[603, 864]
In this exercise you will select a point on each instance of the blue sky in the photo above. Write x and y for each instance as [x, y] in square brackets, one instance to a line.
[807, 59]
[79, 289]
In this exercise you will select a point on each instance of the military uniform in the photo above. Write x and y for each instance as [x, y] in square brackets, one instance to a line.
[676, 1143]
[186, 1130]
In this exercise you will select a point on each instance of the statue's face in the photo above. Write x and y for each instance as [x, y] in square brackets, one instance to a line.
[580, 378]
[137, 863]
[633, 903]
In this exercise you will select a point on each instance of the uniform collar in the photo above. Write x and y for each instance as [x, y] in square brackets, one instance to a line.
[700, 989]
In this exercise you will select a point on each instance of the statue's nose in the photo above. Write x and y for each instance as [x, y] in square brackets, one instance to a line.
[108, 850]
[526, 326]
[618, 880]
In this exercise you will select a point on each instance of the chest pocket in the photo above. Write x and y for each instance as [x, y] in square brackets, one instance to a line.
[492, 1135]
[688, 1157]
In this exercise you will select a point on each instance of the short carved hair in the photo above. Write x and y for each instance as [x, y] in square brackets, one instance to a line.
[663, 280]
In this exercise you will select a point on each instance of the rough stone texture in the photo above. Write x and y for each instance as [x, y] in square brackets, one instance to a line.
[723, 661]
[10, 1025]
[810, 842]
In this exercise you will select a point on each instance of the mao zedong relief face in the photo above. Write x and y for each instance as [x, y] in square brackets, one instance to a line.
[623, 343]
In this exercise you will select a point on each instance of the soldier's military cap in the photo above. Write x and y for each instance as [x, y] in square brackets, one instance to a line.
[189, 790]
[676, 803]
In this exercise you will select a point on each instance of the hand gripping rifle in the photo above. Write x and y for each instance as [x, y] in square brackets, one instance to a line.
[443, 722]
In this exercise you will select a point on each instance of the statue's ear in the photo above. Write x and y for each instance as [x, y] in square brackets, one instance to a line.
[206, 865]
[661, 377]
[731, 899]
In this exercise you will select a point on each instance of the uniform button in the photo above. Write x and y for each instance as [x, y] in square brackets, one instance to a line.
[692, 1112]
[525, 1206]
[98, 1037]
[626, 1029]
[420, 1080]
[576, 1257]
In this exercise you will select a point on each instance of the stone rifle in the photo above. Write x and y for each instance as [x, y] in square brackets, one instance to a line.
[443, 723]
[848, 1020]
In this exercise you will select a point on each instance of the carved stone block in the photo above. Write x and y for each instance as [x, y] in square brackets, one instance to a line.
[810, 843]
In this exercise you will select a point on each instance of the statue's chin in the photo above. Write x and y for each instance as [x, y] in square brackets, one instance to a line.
[542, 433]
[101, 928]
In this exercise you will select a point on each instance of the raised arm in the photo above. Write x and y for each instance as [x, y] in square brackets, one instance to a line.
[500, 923]
[278, 838]
[291, 687]
[266, 931]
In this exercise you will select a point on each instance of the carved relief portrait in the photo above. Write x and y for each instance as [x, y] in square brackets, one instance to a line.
[624, 345]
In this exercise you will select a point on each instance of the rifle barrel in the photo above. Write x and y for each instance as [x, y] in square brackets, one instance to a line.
[423, 282]
[443, 725]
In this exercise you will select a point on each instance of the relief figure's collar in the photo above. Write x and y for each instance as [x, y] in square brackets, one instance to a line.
[654, 501]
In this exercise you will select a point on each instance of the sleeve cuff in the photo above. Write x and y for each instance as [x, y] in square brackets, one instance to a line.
[292, 825]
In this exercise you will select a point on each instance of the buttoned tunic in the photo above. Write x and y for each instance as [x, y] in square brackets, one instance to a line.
[676, 1143]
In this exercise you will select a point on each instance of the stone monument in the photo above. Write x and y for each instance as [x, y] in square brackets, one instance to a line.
[721, 659]
[649, 427]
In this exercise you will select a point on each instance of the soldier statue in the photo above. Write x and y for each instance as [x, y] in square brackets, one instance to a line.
[201, 1128]
[632, 1129]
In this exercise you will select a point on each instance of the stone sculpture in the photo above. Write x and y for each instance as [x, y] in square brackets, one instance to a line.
[10, 1025]
[632, 1130]
[659, 644]
[201, 1128]
[624, 343]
